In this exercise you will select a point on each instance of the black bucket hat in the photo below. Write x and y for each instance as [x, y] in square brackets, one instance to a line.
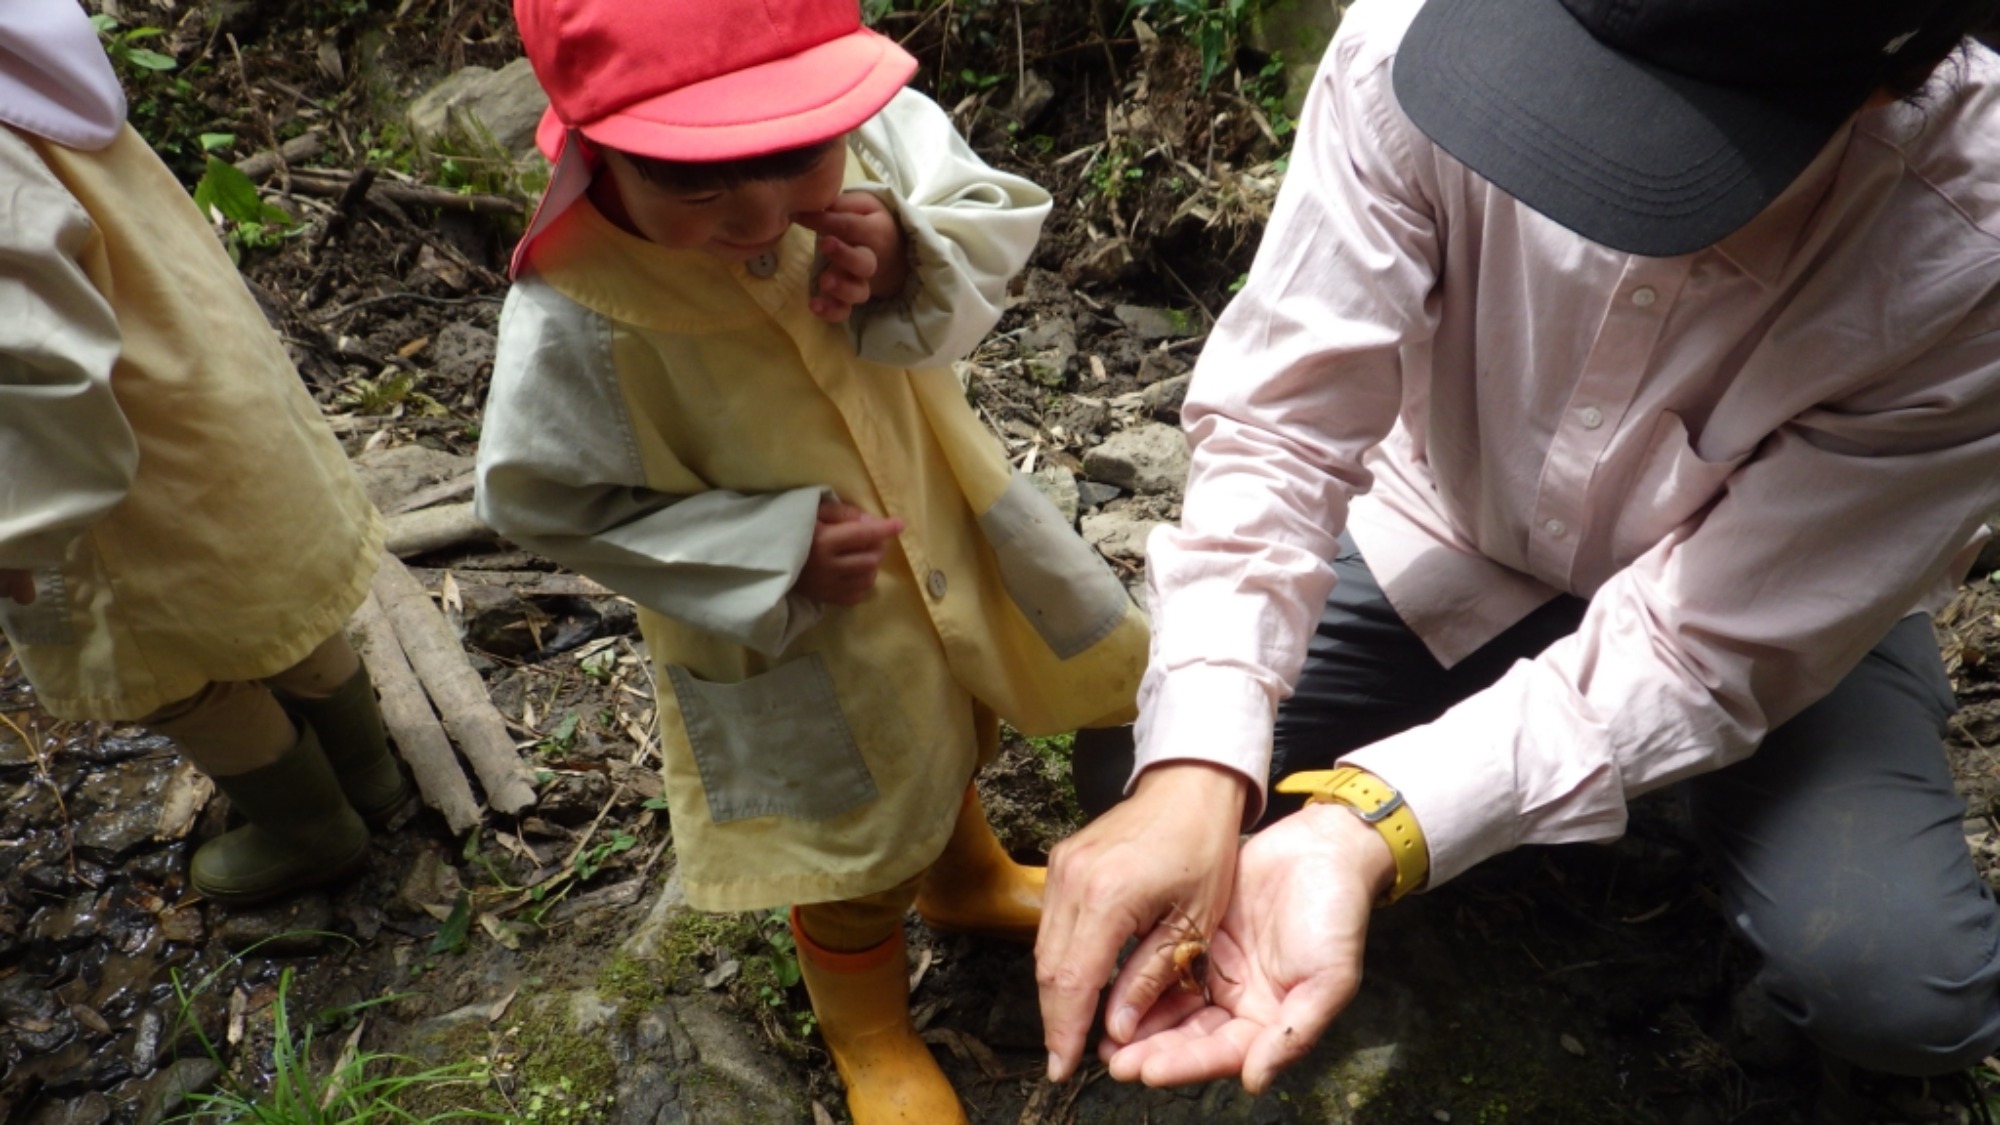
[1656, 127]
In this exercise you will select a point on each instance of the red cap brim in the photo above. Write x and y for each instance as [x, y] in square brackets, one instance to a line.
[787, 103]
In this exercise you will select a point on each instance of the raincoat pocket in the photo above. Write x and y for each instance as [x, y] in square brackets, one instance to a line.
[775, 744]
[1056, 579]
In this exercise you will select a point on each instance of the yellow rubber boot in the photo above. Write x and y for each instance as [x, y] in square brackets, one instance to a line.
[863, 1004]
[975, 887]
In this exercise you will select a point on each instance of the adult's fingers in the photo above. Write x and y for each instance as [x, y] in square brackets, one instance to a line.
[1208, 1045]
[1307, 1011]
[1149, 973]
[1075, 950]
[1172, 843]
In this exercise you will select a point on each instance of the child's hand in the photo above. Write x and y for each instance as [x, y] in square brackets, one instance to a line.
[865, 259]
[846, 552]
[18, 585]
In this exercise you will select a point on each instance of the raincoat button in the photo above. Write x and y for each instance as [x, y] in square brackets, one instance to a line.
[763, 265]
[935, 583]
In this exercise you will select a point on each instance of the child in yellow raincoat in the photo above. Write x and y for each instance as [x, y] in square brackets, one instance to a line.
[181, 538]
[723, 389]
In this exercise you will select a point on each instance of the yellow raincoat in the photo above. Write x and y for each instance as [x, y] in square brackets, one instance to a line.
[241, 539]
[811, 754]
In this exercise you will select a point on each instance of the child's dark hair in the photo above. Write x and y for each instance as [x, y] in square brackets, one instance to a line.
[1943, 37]
[722, 175]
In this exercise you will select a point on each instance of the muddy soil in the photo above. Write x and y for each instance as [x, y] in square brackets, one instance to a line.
[1554, 985]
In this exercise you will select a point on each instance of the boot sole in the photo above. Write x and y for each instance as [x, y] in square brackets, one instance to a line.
[319, 878]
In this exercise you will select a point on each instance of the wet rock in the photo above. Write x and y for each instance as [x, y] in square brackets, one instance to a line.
[122, 745]
[182, 924]
[1146, 458]
[118, 810]
[141, 1042]
[90, 1109]
[166, 1093]
[73, 921]
[27, 808]
[294, 927]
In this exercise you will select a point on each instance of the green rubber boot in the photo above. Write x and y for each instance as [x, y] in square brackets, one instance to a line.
[302, 831]
[349, 725]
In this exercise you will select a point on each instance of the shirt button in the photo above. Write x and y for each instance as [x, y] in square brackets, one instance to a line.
[935, 583]
[1592, 417]
[1555, 528]
[1644, 296]
[763, 265]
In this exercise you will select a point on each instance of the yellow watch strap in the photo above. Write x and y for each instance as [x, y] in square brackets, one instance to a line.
[1378, 804]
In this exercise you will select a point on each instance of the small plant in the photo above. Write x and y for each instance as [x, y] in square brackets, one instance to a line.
[1267, 89]
[231, 201]
[773, 972]
[387, 393]
[1213, 26]
[1116, 170]
[976, 81]
[592, 859]
[122, 45]
[562, 739]
[360, 1086]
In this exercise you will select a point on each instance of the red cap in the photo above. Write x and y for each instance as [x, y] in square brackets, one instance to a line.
[706, 80]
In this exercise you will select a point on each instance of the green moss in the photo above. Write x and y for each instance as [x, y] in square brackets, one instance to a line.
[694, 937]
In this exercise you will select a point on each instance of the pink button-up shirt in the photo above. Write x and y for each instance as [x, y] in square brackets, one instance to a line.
[1752, 460]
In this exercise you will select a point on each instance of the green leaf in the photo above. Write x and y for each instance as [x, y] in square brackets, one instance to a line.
[212, 141]
[149, 60]
[451, 936]
[224, 190]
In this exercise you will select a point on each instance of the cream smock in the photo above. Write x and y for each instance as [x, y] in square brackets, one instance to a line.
[186, 512]
[668, 423]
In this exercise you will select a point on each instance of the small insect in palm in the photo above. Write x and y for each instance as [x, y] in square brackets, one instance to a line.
[1189, 951]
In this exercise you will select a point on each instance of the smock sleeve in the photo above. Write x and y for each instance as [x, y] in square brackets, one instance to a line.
[67, 454]
[970, 229]
[722, 561]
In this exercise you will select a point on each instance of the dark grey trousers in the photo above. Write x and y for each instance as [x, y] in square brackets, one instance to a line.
[1837, 845]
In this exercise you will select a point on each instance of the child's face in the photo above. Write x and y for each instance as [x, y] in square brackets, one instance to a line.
[735, 224]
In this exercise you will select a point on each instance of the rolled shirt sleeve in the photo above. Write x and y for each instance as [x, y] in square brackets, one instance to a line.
[1301, 377]
[1731, 625]
[67, 454]
[970, 227]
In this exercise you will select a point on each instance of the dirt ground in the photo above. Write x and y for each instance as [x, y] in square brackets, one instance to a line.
[111, 974]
